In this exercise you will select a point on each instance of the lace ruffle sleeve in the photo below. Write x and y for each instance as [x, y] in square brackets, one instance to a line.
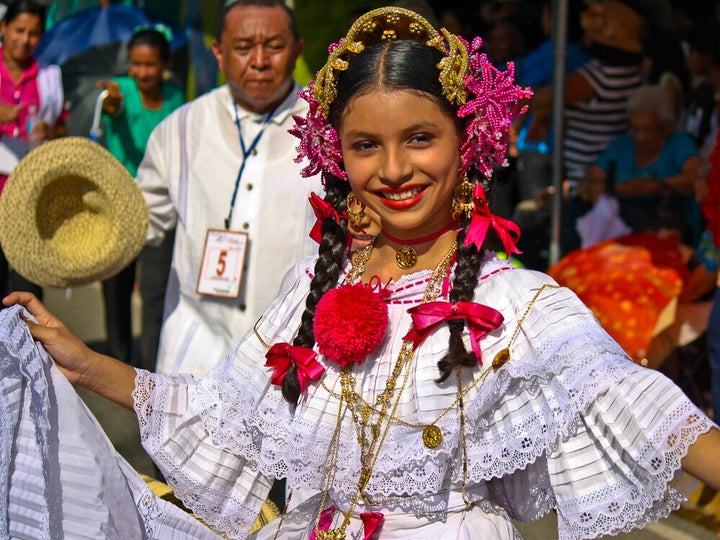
[585, 430]
[207, 435]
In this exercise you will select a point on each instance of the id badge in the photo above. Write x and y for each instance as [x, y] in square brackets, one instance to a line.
[221, 271]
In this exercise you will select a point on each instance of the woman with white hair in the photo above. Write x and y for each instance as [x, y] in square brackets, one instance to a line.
[650, 169]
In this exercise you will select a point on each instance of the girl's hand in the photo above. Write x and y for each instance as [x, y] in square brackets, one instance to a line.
[71, 355]
[81, 365]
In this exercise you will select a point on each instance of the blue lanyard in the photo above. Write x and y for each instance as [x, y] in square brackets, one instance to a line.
[246, 151]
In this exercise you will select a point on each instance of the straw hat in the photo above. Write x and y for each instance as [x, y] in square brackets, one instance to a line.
[71, 214]
[613, 24]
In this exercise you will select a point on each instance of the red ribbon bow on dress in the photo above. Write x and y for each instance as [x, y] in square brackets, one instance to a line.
[323, 210]
[482, 219]
[282, 355]
[371, 521]
[480, 321]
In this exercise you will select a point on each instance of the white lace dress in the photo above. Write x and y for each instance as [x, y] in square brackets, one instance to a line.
[568, 423]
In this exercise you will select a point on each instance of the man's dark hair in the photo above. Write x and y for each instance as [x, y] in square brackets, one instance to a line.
[222, 16]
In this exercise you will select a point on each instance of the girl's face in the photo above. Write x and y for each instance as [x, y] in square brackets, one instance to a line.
[20, 37]
[146, 67]
[401, 154]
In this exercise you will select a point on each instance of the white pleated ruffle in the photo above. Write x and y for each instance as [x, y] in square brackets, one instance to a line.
[60, 476]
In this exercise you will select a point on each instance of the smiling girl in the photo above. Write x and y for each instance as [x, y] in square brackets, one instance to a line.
[421, 386]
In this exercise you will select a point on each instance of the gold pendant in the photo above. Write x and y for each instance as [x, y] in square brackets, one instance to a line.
[501, 358]
[406, 257]
[432, 436]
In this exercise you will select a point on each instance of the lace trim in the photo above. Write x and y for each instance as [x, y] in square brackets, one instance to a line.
[230, 517]
[629, 508]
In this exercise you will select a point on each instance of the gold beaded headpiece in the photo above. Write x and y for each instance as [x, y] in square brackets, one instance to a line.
[391, 24]
[484, 95]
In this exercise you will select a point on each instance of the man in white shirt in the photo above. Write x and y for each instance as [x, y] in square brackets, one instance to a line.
[224, 162]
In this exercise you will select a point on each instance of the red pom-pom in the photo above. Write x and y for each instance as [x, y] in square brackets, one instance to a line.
[350, 322]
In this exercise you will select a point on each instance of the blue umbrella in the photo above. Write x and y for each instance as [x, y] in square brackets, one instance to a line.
[92, 27]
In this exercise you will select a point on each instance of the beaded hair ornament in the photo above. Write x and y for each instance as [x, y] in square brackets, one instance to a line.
[485, 95]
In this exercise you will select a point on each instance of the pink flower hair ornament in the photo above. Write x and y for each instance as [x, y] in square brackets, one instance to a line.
[319, 142]
[491, 111]
[486, 96]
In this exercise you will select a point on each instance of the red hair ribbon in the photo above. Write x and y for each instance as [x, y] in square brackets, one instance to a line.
[480, 320]
[282, 355]
[323, 210]
[482, 219]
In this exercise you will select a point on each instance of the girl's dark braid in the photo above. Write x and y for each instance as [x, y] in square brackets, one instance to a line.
[330, 262]
[463, 290]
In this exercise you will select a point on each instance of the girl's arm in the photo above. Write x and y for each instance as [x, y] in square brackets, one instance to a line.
[702, 460]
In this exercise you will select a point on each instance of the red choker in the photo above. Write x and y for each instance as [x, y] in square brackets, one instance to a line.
[406, 256]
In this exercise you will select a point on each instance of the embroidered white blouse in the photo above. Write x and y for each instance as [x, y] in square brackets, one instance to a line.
[568, 423]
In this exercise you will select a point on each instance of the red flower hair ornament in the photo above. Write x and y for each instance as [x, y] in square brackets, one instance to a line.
[282, 355]
[350, 322]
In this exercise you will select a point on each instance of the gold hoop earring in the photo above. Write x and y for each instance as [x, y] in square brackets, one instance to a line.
[354, 216]
[463, 204]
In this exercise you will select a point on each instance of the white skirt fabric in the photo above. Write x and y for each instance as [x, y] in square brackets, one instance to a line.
[60, 476]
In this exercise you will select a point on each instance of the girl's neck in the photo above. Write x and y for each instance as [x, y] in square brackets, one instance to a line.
[383, 259]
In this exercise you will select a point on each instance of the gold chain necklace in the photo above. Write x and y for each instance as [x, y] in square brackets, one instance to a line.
[371, 440]
[432, 435]
[358, 265]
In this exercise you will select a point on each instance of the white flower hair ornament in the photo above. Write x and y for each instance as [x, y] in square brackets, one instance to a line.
[485, 95]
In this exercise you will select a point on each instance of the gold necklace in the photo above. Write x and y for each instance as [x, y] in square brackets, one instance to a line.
[406, 256]
[372, 440]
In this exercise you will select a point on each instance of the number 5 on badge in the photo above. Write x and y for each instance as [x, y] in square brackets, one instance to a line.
[223, 259]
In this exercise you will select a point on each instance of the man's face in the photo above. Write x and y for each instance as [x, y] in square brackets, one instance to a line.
[257, 52]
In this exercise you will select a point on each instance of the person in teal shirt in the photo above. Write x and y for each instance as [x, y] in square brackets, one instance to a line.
[133, 106]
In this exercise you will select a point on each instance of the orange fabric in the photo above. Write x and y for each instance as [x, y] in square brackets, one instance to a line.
[627, 292]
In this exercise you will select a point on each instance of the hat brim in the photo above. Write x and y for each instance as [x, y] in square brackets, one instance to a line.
[71, 214]
[612, 24]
